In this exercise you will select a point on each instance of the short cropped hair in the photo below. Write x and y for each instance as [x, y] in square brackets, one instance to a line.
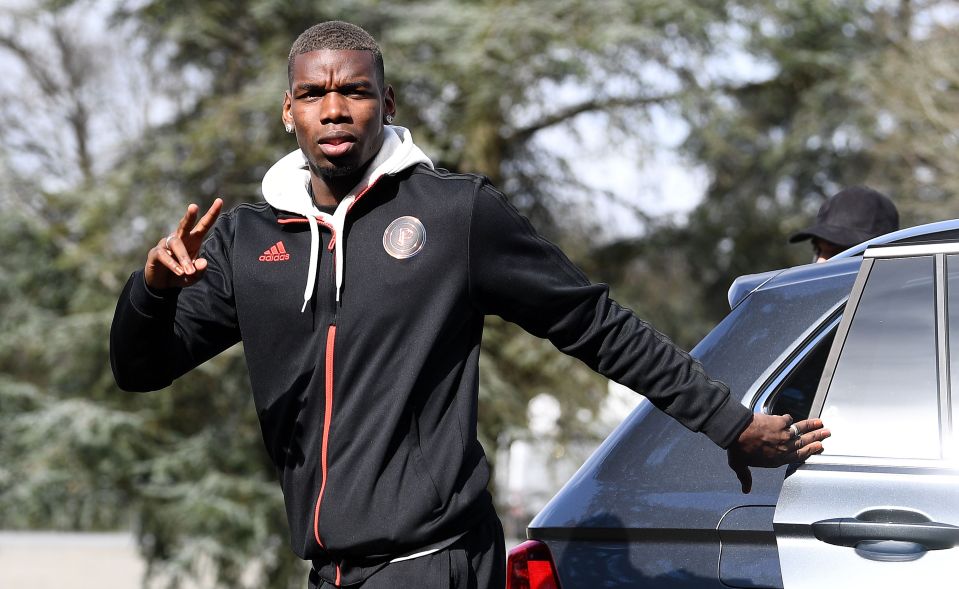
[338, 36]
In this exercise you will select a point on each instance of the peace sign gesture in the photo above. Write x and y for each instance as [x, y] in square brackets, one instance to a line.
[172, 263]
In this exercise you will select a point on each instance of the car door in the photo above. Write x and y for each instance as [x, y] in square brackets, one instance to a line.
[881, 505]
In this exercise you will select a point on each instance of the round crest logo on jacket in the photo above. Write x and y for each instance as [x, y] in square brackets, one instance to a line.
[404, 238]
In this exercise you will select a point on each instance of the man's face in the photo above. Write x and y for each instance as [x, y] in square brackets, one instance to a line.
[337, 105]
[823, 250]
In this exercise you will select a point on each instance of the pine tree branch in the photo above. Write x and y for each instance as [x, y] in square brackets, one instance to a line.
[595, 105]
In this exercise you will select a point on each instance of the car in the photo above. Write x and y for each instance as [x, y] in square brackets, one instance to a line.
[869, 342]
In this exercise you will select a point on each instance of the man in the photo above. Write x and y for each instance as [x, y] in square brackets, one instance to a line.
[852, 215]
[366, 383]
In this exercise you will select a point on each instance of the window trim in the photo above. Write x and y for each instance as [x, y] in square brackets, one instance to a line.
[942, 357]
[911, 251]
[829, 370]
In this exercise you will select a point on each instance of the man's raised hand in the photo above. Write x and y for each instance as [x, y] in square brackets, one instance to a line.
[773, 440]
[173, 262]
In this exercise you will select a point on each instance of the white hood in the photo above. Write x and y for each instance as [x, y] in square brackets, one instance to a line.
[286, 187]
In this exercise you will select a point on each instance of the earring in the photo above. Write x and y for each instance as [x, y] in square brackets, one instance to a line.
[389, 119]
[289, 128]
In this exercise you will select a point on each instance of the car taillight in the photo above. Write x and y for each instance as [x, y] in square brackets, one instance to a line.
[530, 566]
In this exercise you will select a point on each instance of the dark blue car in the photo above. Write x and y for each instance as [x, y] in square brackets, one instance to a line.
[864, 341]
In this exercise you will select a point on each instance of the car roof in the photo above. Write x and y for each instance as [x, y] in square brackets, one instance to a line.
[930, 232]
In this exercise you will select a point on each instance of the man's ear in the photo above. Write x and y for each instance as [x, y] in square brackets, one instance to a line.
[287, 115]
[389, 104]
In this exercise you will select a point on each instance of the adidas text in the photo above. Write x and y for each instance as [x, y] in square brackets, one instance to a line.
[276, 253]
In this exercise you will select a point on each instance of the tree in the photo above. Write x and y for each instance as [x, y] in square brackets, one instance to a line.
[198, 491]
[917, 112]
[836, 93]
[75, 453]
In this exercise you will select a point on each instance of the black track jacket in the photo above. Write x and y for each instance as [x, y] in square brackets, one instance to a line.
[368, 403]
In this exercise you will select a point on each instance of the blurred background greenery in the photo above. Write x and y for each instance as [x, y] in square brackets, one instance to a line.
[114, 114]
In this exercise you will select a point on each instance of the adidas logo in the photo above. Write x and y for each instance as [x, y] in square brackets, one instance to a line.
[276, 253]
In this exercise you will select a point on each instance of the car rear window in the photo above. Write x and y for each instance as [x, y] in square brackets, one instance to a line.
[750, 342]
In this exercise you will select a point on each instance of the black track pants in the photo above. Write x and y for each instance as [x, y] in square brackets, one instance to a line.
[475, 561]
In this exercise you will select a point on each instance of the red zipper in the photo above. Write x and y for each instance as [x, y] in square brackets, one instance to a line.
[328, 415]
[327, 419]
[363, 193]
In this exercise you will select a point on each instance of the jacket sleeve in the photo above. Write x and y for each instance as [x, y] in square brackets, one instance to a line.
[157, 336]
[525, 279]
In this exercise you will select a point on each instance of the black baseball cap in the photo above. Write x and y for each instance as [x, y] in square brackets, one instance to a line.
[851, 216]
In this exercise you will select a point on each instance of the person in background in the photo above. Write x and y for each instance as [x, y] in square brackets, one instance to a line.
[852, 215]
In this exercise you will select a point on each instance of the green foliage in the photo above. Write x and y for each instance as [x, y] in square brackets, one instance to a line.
[833, 93]
[179, 467]
[844, 93]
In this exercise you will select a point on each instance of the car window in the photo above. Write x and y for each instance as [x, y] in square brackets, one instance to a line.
[767, 323]
[883, 399]
[795, 394]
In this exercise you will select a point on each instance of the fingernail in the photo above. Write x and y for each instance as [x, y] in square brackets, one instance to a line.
[179, 271]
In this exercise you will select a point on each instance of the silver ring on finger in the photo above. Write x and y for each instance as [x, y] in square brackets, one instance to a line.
[794, 431]
[166, 241]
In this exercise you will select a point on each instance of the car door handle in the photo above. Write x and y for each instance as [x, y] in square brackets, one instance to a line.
[850, 531]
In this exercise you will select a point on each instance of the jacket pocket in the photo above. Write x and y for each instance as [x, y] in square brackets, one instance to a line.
[395, 511]
[419, 464]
